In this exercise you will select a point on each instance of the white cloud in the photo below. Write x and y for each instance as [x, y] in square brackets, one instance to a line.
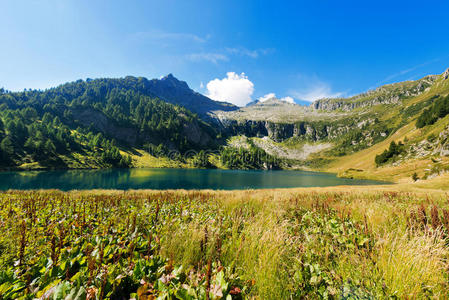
[273, 95]
[247, 52]
[234, 88]
[267, 97]
[211, 57]
[288, 99]
[226, 54]
[314, 90]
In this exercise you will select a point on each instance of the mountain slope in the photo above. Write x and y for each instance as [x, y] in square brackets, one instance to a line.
[168, 88]
[87, 123]
[425, 150]
[359, 129]
[387, 94]
[178, 92]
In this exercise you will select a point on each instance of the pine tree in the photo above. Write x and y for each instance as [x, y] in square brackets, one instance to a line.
[49, 147]
[7, 146]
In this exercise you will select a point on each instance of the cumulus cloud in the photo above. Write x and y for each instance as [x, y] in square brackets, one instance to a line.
[273, 95]
[288, 99]
[234, 88]
[267, 97]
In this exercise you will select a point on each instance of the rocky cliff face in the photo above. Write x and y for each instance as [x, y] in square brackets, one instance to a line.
[99, 121]
[282, 131]
[438, 146]
[195, 134]
[442, 146]
[446, 74]
[333, 104]
[131, 135]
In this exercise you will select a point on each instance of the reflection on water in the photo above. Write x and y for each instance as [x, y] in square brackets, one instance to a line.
[169, 179]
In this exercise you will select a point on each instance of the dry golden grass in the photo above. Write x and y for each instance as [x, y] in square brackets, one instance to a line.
[268, 237]
[410, 261]
[364, 160]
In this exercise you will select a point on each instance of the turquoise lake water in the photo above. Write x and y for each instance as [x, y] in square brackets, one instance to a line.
[125, 179]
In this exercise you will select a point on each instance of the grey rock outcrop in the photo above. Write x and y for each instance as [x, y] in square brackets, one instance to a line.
[282, 131]
[131, 135]
[446, 74]
[435, 147]
[443, 142]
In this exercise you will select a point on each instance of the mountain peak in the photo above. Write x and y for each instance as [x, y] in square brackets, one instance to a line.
[169, 77]
[271, 99]
[175, 91]
[174, 82]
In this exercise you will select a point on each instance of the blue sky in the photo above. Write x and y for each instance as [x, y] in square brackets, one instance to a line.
[299, 49]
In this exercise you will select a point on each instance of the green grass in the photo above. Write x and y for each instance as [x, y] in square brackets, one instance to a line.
[267, 244]
[143, 159]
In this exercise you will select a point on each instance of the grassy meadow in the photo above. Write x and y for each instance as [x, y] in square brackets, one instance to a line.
[351, 243]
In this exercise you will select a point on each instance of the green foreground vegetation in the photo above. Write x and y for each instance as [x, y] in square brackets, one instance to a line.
[367, 243]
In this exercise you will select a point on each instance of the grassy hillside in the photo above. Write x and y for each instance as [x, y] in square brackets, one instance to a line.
[421, 155]
[353, 130]
[364, 160]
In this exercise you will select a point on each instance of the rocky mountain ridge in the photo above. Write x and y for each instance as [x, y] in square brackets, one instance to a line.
[388, 94]
[311, 131]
